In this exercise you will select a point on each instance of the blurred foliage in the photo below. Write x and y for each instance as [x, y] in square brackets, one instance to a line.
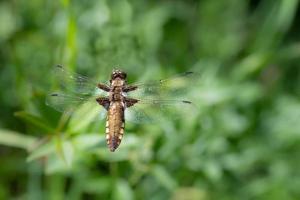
[243, 142]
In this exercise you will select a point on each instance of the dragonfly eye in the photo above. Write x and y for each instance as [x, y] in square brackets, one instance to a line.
[118, 74]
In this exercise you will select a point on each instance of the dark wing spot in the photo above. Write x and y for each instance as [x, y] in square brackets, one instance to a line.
[185, 101]
[187, 73]
[54, 95]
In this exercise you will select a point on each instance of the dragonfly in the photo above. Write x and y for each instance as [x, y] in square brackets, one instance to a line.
[117, 97]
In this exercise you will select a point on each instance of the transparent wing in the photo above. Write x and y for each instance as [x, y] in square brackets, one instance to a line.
[74, 82]
[84, 110]
[138, 115]
[65, 102]
[173, 87]
[150, 110]
[72, 90]
[162, 98]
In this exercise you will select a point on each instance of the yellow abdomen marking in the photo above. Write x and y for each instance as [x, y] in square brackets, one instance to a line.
[115, 125]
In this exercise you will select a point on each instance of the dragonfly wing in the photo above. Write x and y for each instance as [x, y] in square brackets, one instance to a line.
[157, 99]
[74, 89]
[137, 115]
[153, 110]
[63, 102]
[68, 103]
[74, 82]
[173, 87]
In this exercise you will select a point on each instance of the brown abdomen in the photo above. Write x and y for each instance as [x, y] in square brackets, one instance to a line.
[115, 125]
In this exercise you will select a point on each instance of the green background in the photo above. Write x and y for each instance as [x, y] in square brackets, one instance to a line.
[243, 141]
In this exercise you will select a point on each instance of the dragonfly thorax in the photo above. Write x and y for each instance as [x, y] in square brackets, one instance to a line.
[117, 82]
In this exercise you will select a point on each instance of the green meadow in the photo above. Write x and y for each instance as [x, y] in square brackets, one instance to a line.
[241, 141]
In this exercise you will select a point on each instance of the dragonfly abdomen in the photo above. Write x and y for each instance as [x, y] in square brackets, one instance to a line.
[115, 125]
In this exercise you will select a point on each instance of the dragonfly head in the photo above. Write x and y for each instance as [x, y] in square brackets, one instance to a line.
[118, 74]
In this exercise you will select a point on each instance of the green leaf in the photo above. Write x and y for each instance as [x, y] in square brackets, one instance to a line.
[84, 116]
[97, 185]
[64, 150]
[61, 149]
[163, 177]
[67, 153]
[190, 193]
[15, 139]
[65, 3]
[123, 191]
[41, 151]
[87, 141]
[71, 45]
[34, 120]
[55, 164]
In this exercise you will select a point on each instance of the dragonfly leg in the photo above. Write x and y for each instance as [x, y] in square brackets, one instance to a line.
[130, 102]
[103, 101]
[103, 87]
[129, 88]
